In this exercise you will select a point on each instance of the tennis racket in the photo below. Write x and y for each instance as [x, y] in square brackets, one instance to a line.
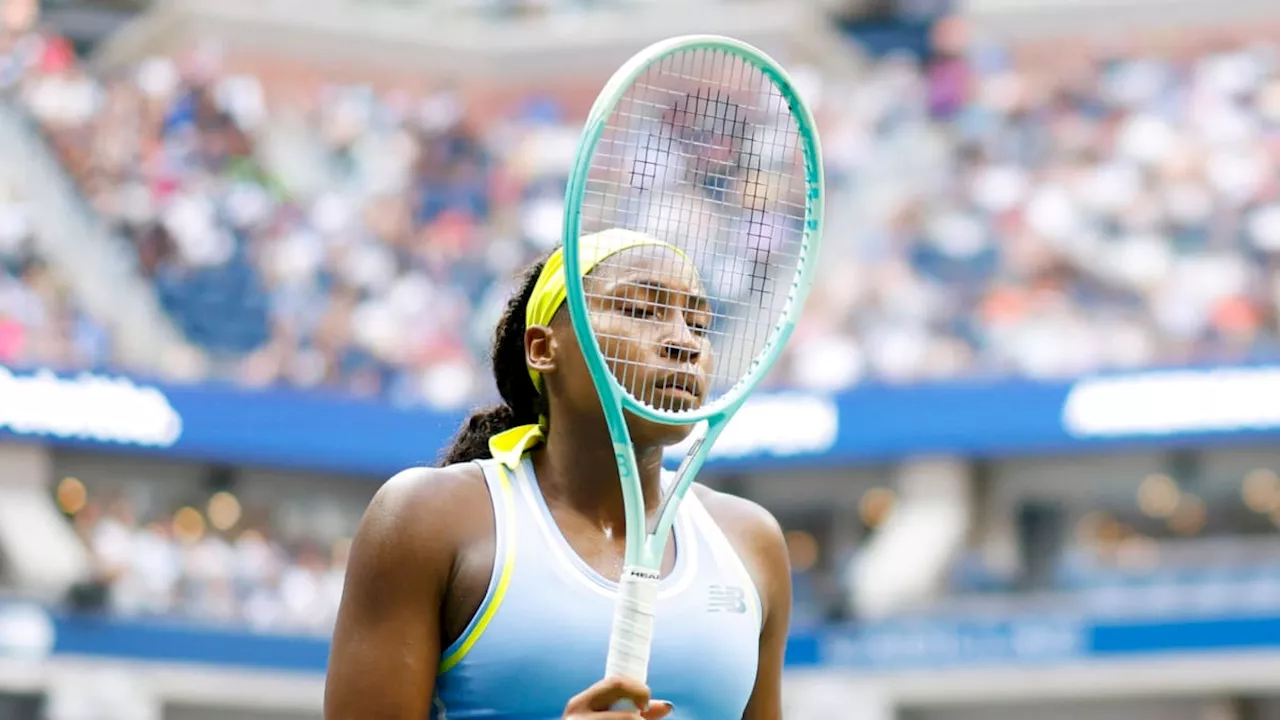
[704, 144]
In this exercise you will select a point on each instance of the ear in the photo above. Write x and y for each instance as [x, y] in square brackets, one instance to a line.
[540, 349]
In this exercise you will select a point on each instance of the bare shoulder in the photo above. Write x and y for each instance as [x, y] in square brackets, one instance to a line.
[413, 491]
[425, 511]
[751, 529]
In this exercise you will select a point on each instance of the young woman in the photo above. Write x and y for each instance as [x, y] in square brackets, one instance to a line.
[484, 588]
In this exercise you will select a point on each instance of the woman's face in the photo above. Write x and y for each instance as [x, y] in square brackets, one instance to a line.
[652, 319]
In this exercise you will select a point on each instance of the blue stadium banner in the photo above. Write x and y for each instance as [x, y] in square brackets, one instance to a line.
[877, 647]
[317, 431]
[934, 645]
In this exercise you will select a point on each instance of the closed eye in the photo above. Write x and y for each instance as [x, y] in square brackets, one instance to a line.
[699, 322]
[638, 310]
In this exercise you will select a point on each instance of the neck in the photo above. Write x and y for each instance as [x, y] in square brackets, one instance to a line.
[576, 467]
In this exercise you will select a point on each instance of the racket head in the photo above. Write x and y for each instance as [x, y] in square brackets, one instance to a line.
[702, 143]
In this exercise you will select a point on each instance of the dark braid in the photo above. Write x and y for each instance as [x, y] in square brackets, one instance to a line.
[521, 402]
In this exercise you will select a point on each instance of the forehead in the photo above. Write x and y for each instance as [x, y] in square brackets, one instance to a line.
[649, 264]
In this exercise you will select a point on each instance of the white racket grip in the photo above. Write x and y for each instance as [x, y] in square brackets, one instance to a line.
[633, 618]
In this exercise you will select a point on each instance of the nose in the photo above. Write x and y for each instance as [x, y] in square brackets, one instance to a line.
[681, 344]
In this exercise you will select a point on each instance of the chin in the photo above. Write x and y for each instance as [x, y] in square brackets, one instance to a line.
[648, 434]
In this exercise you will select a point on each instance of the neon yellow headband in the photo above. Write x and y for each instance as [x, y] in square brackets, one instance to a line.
[549, 293]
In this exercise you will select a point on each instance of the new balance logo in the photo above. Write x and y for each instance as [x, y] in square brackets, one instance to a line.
[726, 599]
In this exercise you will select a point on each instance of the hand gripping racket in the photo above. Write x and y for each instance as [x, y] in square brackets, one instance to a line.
[704, 144]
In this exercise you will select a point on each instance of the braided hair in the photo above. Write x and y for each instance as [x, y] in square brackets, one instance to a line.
[522, 404]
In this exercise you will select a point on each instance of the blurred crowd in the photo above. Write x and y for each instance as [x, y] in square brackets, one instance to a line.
[279, 565]
[40, 322]
[1054, 216]
[175, 564]
[992, 214]
[365, 281]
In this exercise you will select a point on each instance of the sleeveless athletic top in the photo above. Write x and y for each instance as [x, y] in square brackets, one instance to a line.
[542, 632]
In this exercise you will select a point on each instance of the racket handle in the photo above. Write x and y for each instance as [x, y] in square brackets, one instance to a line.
[633, 617]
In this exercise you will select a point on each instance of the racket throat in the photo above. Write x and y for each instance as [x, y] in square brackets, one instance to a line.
[699, 438]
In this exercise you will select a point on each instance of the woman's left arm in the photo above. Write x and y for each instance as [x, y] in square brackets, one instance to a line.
[774, 570]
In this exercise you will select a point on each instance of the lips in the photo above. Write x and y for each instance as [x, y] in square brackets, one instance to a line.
[681, 382]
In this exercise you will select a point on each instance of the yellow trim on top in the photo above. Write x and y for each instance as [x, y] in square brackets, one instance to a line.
[504, 579]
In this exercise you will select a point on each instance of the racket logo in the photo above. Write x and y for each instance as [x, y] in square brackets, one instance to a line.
[726, 599]
[621, 455]
[642, 574]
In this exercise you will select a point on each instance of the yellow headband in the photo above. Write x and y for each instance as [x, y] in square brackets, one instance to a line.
[550, 290]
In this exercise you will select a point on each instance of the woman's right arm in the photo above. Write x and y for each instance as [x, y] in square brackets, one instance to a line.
[386, 645]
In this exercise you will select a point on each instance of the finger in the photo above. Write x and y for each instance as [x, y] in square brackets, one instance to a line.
[605, 694]
[658, 709]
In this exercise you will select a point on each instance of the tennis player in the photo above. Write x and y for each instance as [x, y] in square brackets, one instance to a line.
[485, 588]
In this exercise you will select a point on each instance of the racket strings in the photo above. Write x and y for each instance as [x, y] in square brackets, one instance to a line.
[703, 153]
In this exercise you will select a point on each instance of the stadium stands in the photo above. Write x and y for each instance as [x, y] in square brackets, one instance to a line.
[172, 566]
[997, 209]
[998, 215]
[40, 323]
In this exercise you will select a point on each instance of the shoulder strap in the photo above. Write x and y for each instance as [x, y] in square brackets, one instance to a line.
[502, 497]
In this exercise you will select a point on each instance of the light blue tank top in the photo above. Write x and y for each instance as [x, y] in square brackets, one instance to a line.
[542, 632]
